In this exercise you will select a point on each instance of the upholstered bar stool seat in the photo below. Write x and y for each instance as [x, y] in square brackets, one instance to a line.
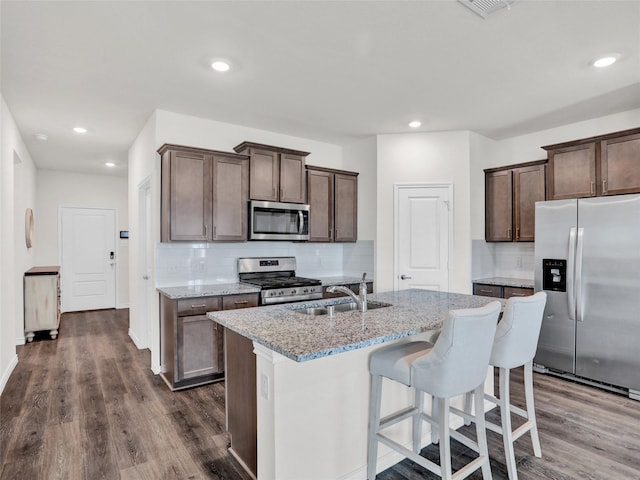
[515, 346]
[455, 364]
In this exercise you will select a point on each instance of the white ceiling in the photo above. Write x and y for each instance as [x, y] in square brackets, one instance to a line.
[331, 71]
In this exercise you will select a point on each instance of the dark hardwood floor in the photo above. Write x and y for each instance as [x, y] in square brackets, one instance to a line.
[87, 406]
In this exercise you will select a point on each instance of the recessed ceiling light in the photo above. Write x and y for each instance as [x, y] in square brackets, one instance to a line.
[221, 65]
[415, 124]
[110, 164]
[41, 136]
[79, 129]
[605, 61]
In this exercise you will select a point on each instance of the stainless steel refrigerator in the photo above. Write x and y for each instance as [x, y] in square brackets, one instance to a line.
[587, 259]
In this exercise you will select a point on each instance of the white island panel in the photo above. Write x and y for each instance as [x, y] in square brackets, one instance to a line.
[313, 421]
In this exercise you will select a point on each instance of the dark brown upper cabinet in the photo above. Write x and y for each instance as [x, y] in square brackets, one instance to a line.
[572, 172]
[620, 165]
[276, 174]
[333, 200]
[595, 166]
[510, 196]
[204, 195]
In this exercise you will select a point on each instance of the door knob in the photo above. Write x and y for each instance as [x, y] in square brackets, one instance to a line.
[145, 277]
[405, 277]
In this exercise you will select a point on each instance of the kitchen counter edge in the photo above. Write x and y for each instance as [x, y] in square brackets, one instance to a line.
[301, 337]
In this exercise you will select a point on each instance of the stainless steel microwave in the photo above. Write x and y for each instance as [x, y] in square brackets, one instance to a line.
[278, 221]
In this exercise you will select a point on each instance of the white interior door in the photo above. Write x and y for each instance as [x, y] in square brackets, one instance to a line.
[88, 244]
[423, 235]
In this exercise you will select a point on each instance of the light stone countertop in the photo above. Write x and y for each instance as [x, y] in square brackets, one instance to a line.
[506, 282]
[191, 291]
[303, 337]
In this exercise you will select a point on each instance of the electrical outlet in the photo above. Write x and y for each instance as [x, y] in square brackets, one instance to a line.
[264, 386]
[519, 262]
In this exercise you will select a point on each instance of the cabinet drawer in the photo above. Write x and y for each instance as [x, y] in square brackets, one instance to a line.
[232, 302]
[198, 305]
[487, 290]
[517, 292]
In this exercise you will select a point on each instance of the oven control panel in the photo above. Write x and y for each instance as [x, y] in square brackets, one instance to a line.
[296, 294]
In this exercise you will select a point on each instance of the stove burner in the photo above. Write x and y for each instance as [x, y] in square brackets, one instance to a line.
[277, 280]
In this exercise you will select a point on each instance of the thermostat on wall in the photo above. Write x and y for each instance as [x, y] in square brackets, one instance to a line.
[124, 233]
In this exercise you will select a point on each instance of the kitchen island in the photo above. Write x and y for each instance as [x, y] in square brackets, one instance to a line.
[312, 379]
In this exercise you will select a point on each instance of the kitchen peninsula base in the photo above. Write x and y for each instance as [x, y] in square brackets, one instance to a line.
[312, 417]
[311, 386]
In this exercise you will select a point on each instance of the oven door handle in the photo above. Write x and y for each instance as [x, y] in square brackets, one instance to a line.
[300, 222]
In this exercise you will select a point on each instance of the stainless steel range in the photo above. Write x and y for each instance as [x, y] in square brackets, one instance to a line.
[277, 280]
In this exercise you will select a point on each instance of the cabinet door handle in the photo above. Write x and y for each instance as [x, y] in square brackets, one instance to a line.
[205, 231]
[517, 233]
[243, 302]
[593, 187]
[604, 186]
[199, 306]
[509, 232]
[405, 277]
[485, 290]
[518, 295]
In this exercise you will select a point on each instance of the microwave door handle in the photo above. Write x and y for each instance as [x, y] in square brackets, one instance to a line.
[300, 222]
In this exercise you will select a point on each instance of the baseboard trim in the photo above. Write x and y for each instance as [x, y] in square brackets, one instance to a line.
[136, 340]
[122, 306]
[21, 340]
[7, 373]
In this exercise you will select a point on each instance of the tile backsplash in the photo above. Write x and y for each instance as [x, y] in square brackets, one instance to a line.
[204, 263]
[513, 260]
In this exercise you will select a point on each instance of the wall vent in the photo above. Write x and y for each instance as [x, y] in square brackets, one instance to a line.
[486, 8]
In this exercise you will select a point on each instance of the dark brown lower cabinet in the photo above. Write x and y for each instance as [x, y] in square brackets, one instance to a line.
[500, 291]
[241, 391]
[192, 346]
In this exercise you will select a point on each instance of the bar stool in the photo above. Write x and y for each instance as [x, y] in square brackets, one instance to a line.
[457, 363]
[514, 346]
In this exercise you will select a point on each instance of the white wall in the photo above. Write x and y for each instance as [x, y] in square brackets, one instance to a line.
[361, 157]
[144, 164]
[424, 158]
[24, 196]
[14, 256]
[65, 189]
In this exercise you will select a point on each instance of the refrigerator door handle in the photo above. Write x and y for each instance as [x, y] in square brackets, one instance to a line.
[571, 298]
[579, 302]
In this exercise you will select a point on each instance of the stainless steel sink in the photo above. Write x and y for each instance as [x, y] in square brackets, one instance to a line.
[340, 307]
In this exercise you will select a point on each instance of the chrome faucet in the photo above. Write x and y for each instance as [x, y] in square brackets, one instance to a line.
[361, 299]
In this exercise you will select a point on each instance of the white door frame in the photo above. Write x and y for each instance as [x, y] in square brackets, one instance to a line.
[145, 265]
[397, 187]
[115, 242]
